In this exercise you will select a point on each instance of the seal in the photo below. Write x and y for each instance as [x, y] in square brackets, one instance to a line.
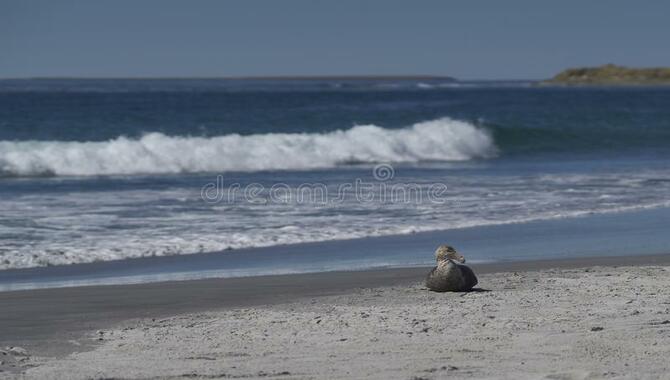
[450, 274]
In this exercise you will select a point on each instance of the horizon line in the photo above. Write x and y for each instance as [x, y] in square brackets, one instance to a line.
[267, 77]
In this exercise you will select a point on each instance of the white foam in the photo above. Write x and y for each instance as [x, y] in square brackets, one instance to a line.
[155, 153]
[88, 226]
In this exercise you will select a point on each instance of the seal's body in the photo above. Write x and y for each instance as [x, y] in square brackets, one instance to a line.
[450, 274]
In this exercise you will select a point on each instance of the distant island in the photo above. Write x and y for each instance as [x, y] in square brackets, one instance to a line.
[612, 75]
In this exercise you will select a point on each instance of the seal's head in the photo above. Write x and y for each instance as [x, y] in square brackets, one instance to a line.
[444, 252]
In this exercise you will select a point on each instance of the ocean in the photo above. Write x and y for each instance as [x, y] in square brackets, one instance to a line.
[100, 170]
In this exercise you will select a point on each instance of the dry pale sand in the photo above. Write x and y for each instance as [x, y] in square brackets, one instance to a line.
[599, 322]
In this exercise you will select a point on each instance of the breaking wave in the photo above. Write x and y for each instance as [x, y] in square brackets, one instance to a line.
[155, 153]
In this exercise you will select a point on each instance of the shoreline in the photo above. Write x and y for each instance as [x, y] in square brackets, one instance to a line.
[598, 235]
[79, 322]
[45, 320]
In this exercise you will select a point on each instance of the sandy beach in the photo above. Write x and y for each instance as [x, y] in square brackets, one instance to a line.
[585, 322]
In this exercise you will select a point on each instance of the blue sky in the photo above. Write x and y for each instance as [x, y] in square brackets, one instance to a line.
[467, 39]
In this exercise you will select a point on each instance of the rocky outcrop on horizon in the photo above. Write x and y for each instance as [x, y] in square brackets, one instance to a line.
[612, 75]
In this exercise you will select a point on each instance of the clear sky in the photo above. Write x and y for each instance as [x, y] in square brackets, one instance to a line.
[503, 39]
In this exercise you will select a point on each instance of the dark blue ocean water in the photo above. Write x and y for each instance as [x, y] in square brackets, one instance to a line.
[96, 170]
